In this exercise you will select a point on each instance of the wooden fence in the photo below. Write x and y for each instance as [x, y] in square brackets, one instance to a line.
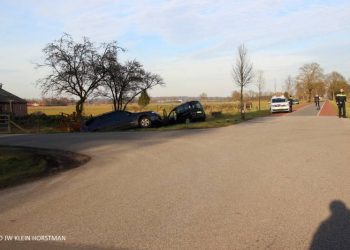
[6, 124]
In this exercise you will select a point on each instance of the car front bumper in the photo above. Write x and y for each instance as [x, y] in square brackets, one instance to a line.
[279, 109]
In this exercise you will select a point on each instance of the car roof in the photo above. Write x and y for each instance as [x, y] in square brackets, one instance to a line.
[189, 102]
[278, 97]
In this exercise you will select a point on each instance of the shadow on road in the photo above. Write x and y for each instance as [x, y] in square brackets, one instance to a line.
[334, 232]
[31, 245]
[81, 141]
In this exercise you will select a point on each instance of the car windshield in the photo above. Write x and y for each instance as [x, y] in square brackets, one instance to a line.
[277, 100]
[196, 105]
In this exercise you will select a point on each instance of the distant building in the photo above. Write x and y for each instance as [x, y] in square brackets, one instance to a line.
[11, 104]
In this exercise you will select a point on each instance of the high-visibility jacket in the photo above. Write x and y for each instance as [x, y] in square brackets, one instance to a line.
[340, 98]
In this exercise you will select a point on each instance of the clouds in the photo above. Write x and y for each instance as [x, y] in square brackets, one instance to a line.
[173, 36]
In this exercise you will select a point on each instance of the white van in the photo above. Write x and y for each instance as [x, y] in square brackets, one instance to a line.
[279, 104]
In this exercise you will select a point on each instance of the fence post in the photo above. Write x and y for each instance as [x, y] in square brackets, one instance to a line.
[9, 124]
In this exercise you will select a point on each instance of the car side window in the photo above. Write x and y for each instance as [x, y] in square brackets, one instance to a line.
[180, 109]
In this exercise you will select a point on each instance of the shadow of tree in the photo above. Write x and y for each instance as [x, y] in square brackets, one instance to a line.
[334, 232]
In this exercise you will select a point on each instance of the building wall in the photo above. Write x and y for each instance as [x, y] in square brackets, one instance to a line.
[19, 109]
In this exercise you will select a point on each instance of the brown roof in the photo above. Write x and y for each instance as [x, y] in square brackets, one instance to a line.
[7, 97]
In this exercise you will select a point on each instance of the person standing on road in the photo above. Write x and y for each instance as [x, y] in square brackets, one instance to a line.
[317, 102]
[340, 99]
[290, 103]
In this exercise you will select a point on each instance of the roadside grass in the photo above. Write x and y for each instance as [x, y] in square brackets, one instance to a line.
[347, 108]
[213, 122]
[20, 164]
[17, 165]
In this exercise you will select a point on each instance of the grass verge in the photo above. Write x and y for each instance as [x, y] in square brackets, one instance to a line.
[347, 107]
[213, 122]
[20, 164]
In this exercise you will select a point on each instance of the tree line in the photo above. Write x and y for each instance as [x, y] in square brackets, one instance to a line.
[85, 70]
[311, 80]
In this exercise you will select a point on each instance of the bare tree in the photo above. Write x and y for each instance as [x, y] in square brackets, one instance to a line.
[334, 82]
[74, 69]
[289, 85]
[260, 84]
[242, 73]
[309, 76]
[149, 80]
[123, 82]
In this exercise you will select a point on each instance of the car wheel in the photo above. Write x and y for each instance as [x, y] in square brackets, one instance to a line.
[145, 122]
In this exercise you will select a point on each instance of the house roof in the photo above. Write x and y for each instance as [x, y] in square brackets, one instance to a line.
[7, 97]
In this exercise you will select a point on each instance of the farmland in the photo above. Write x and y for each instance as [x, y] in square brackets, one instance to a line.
[54, 122]
[97, 109]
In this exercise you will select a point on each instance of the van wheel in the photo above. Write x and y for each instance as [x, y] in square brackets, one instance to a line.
[145, 122]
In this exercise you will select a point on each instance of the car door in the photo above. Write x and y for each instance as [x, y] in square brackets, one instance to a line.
[126, 119]
[172, 117]
[180, 113]
[110, 120]
[119, 119]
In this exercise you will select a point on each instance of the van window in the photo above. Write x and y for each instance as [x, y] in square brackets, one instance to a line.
[277, 100]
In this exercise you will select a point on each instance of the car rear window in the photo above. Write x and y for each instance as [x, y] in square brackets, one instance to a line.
[276, 100]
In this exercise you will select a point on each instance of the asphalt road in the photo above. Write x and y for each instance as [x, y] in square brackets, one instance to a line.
[309, 110]
[263, 184]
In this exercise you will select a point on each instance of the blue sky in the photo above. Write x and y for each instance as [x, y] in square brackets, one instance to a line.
[192, 44]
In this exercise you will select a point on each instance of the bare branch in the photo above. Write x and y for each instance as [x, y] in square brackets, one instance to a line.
[242, 72]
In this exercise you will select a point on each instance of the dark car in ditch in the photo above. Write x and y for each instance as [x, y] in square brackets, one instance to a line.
[187, 112]
[122, 120]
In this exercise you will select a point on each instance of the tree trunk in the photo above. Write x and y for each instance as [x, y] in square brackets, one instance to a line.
[79, 107]
[259, 99]
[120, 104]
[310, 92]
[241, 104]
[115, 104]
